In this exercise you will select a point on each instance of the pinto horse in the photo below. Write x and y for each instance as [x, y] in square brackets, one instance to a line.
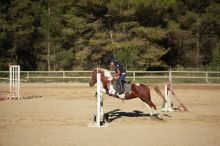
[136, 91]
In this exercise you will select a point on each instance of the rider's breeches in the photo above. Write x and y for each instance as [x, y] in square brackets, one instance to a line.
[121, 78]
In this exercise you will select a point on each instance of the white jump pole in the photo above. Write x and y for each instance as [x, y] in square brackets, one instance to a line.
[99, 120]
[18, 82]
[168, 95]
[14, 85]
[98, 115]
[10, 77]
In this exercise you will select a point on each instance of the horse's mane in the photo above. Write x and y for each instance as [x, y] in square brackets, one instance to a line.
[106, 72]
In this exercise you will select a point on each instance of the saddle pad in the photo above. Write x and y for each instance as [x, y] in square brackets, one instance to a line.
[127, 87]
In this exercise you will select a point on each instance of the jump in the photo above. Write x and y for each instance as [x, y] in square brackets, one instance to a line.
[131, 91]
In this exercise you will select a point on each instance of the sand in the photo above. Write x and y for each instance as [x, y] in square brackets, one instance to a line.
[58, 114]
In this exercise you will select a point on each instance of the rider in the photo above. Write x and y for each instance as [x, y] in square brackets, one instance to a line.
[119, 71]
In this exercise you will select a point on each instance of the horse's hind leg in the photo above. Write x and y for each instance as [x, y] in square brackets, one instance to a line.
[152, 108]
[146, 98]
[152, 116]
[155, 111]
[149, 108]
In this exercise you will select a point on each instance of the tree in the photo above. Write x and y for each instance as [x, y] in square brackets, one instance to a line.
[82, 34]
[5, 40]
[192, 39]
[50, 31]
[21, 18]
[215, 62]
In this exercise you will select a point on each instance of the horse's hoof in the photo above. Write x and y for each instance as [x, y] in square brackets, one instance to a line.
[156, 117]
[152, 117]
[159, 117]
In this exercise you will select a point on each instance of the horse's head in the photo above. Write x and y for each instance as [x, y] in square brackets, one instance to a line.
[93, 79]
[104, 75]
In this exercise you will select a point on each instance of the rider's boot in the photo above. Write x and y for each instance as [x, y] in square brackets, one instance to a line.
[117, 92]
[121, 88]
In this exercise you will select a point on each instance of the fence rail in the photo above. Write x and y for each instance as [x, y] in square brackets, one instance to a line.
[145, 76]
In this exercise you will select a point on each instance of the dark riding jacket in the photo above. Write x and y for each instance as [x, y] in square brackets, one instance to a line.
[122, 74]
[119, 67]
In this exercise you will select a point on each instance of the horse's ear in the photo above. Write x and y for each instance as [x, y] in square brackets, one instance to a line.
[97, 70]
[94, 71]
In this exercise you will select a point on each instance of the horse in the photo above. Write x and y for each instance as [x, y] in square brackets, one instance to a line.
[137, 90]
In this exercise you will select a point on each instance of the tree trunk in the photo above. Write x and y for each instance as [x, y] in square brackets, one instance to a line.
[48, 40]
[54, 59]
[111, 36]
[179, 51]
[197, 56]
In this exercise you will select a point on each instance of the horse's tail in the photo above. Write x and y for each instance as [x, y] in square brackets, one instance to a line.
[156, 88]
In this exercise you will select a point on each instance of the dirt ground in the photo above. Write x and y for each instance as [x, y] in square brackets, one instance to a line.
[58, 114]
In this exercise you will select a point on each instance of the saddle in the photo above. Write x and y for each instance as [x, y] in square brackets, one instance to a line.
[126, 87]
[126, 82]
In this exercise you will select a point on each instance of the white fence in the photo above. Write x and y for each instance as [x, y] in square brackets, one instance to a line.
[145, 76]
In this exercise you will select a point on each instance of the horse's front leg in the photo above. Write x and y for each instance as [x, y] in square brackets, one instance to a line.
[106, 91]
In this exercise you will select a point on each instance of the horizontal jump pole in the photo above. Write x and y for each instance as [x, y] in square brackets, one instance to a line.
[9, 79]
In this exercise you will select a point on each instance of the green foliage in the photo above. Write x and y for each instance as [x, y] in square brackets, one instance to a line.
[83, 34]
[215, 63]
[128, 56]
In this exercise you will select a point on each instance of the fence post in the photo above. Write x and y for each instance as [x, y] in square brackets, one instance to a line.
[27, 77]
[134, 76]
[63, 74]
[206, 77]
[170, 76]
[171, 85]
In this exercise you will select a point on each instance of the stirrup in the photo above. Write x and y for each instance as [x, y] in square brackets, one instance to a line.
[121, 92]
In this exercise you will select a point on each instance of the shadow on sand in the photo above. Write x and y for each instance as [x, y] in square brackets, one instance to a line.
[116, 114]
